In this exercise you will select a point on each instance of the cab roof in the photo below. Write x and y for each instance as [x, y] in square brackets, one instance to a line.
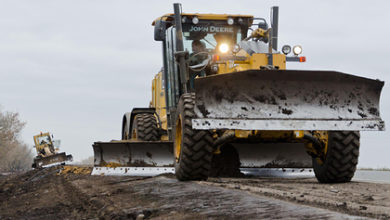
[170, 17]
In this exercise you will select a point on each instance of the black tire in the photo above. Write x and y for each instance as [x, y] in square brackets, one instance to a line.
[193, 158]
[144, 127]
[226, 163]
[341, 157]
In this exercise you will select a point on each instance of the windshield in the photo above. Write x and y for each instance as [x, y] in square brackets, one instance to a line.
[210, 35]
[44, 140]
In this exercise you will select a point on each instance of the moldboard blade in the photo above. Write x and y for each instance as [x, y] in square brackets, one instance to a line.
[287, 100]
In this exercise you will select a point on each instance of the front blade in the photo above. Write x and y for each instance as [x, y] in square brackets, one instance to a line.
[52, 159]
[131, 171]
[287, 100]
[133, 154]
[273, 155]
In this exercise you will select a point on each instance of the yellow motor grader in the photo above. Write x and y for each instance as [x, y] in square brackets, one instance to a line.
[47, 151]
[224, 102]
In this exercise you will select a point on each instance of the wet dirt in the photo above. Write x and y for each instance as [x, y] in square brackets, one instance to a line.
[48, 194]
[354, 198]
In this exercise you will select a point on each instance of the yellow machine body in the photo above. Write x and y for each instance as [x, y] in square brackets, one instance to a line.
[158, 102]
[253, 61]
[44, 145]
[226, 64]
[239, 97]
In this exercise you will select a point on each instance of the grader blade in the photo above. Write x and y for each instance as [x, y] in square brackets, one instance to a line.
[51, 160]
[272, 155]
[287, 100]
[129, 157]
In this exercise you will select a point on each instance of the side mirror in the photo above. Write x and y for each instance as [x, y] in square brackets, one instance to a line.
[159, 30]
[56, 143]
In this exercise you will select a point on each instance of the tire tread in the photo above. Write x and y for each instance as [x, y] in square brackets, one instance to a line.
[197, 145]
[341, 159]
[146, 126]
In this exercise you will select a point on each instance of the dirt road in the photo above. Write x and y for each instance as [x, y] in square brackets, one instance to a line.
[48, 194]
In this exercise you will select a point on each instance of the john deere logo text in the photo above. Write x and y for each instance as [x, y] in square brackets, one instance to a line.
[211, 29]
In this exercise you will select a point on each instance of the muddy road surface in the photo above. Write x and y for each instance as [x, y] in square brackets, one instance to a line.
[71, 193]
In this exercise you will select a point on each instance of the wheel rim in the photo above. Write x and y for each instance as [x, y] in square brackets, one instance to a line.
[133, 134]
[324, 138]
[178, 135]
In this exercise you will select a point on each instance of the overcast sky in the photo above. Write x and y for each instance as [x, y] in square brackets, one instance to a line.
[74, 67]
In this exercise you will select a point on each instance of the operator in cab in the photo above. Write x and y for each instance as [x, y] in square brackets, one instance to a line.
[198, 55]
[199, 52]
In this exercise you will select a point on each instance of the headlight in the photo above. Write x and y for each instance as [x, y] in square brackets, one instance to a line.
[286, 49]
[183, 19]
[195, 20]
[214, 68]
[230, 21]
[236, 48]
[223, 48]
[297, 50]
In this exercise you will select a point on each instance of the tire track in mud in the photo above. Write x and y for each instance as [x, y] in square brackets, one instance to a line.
[222, 202]
[42, 194]
[45, 194]
[335, 197]
[168, 198]
[56, 200]
[74, 200]
[116, 197]
[91, 204]
[164, 197]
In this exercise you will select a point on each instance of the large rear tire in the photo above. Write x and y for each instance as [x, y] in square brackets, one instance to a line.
[341, 158]
[144, 127]
[193, 149]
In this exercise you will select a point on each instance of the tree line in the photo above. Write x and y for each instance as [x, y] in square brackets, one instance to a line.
[14, 154]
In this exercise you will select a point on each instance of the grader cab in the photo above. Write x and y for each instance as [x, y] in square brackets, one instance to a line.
[224, 102]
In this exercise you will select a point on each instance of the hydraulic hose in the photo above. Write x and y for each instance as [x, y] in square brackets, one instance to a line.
[316, 143]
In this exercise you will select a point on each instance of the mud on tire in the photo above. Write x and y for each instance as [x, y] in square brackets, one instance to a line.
[341, 157]
[196, 146]
[144, 127]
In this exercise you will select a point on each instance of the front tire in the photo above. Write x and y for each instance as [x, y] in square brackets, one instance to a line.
[341, 158]
[144, 127]
[193, 149]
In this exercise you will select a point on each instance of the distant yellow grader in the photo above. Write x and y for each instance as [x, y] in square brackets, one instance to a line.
[48, 151]
[224, 102]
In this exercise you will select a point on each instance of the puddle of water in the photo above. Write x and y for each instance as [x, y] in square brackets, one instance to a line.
[360, 175]
[372, 176]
